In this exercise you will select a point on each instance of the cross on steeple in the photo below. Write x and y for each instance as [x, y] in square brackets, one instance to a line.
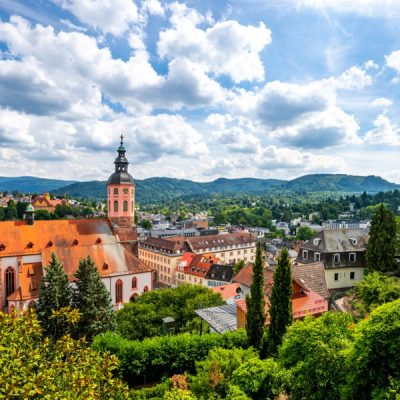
[122, 139]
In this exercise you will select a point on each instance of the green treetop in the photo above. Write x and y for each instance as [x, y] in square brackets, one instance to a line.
[382, 243]
[55, 294]
[92, 300]
[255, 318]
[281, 314]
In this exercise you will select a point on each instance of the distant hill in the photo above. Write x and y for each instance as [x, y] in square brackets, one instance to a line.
[162, 189]
[31, 184]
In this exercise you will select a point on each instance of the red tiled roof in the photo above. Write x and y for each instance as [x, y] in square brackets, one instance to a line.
[245, 277]
[196, 264]
[227, 291]
[309, 304]
[213, 241]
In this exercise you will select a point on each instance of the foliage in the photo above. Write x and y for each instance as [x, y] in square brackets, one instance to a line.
[179, 394]
[213, 375]
[255, 317]
[374, 290]
[146, 224]
[36, 368]
[151, 359]
[313, 352]
[93, 301]
[153, 392]
[374, 357]
[281, 313]
[305, 233]
[258, 379]
[382, 243]
[143, 317]
[234, 393]
[55, 294]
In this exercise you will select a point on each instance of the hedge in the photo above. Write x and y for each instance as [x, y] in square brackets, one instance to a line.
[152, 359]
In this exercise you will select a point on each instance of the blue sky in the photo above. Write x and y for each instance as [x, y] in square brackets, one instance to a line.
[200, 89]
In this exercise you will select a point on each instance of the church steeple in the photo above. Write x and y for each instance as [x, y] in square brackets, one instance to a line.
[121, 162]
[121, 192]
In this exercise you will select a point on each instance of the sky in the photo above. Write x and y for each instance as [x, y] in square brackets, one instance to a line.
[200, 89]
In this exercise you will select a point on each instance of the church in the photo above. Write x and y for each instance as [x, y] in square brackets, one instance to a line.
[26, 247]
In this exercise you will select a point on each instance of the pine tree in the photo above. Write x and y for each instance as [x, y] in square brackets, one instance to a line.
[255, 318]
[55, 294]
[281, 314]
[93, 301]
[381, 247]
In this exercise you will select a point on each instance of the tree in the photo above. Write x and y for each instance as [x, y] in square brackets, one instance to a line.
[281, 313]
[255, 318]
[34, 367]
[21, 207]
[2, 214]
[314, 354]
[143, 317]
[10, 212]
[55, 294]
[374, 358]
[305, 233]
[93, 301]
[146, 224]
[382, 243]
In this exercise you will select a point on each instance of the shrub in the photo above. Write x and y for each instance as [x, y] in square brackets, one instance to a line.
[151, 359]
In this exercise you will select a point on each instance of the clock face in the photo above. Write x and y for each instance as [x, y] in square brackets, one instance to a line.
[126, 191]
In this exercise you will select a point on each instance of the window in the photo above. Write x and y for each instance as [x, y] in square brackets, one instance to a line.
[115, 205]
[336, 276]
[145, 289]
[10, 281]
[305, 254]
[352, 275]
[134, 283]
[125, 206]
[352, 257]
[336, 258]
[317, 257]
[116, 191]
[118, 291]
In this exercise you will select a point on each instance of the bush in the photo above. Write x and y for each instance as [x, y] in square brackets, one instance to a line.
[214, 374]
[375, 355]
[258, 379]
[156, 392]
[151, 359]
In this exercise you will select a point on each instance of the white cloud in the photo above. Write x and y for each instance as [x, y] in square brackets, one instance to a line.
[153, 7]
[393, 60]
[381, 102]
[385, 132]
[225, 48]
[370, 64]
[109, 16]
[14, 129]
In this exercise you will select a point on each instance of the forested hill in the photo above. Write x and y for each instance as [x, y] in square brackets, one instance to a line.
[31, 184]
[161, 189]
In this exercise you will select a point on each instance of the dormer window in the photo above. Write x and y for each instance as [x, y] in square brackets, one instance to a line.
[305, 254]
[2, 246]
[105, 266]
[317, 257]
[49, 244]
[336, 258]
[98, 240]
[352, 257]
[353, 241]
[29, 245]
[316, 241]
[75, 242]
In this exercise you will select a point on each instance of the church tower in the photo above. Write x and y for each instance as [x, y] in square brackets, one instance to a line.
[121, 196]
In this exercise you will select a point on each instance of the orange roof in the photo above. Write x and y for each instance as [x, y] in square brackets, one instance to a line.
[245, 277]
[309, 304]
[71, 241]
[227, 291]
[196, 264]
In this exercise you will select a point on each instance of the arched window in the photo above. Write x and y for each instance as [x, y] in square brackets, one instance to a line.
[145, 289]
[115, 205]
[10, 281]
[115, 190]
[134, 283]
[118, 291]
[125, 205]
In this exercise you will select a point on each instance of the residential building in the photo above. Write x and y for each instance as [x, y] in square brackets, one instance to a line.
[44, 202]
[229, 292]
[218, 275]
[26, 247]
[162, 256]
[342, 251]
